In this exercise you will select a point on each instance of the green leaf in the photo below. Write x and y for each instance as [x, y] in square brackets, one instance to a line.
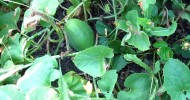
[8, 23]
[107, 82]
[75, 83]
[38, 74]
[75, 2]
[92, 60]
[165, 53]
[140, 41]
[13, 50]
[48, 7]
[118, 63]
[11, 92]
[116, 46]
[54, 75]
[157, 67]
[160, 44]
[63, 88]
[160, 31]
[151, 12]
[132, 17]
[146, 23]
[145, 4]
[101, 28]
[42, 93]
[176, 79]
[107, 8]
[186, 15]
[103, 41]
[139, 85]
[123, 25]
[138, 61]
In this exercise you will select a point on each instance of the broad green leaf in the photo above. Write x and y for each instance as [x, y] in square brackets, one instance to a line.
[151, 12]
[123, 25]
[8, 23]
[11, 92]
[75, 2]
[38, 74]
[92, 60]
[75, 83]
[160, 44]
[139, 85]
[165, 53]
[146, 23]
[160, 31]
[118, 63]
[13, 50]
[139, 40]
[103, 41]
[186, 15]
[178, 4]
[54, 75]
[42, 93]
[107, 82]
[116, 46]
[176, 79]
[132, 17]
[48, 7]
[102, 28]
[138, 61]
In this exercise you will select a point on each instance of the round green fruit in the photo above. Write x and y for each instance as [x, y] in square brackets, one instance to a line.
[79, 34]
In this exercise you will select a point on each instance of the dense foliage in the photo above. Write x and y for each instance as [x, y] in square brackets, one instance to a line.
[103, 38]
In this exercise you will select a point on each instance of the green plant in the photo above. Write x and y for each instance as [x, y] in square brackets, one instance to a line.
[124, 50]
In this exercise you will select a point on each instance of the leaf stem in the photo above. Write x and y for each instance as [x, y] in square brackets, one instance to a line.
[84, 9]
[95, 87]
[65, 55]
[115, 15]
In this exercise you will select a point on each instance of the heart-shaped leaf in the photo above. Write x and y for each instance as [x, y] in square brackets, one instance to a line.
[92, 60]
[176, 79]
[8, 23]
[38, 74]
[139, 85]
[13, 50]
[11, 92]
[75, 83]
[139, 40]
[45, 6]
[107, 82]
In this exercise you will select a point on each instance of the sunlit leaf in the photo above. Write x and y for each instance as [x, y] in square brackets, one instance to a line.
[38, 74]
[92, 60]
[107, 83]
[11, 92]
[42, 93]
[139, 85]
[176, 79]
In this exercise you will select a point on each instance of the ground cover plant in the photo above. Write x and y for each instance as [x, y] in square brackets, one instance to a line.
[94, 50]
